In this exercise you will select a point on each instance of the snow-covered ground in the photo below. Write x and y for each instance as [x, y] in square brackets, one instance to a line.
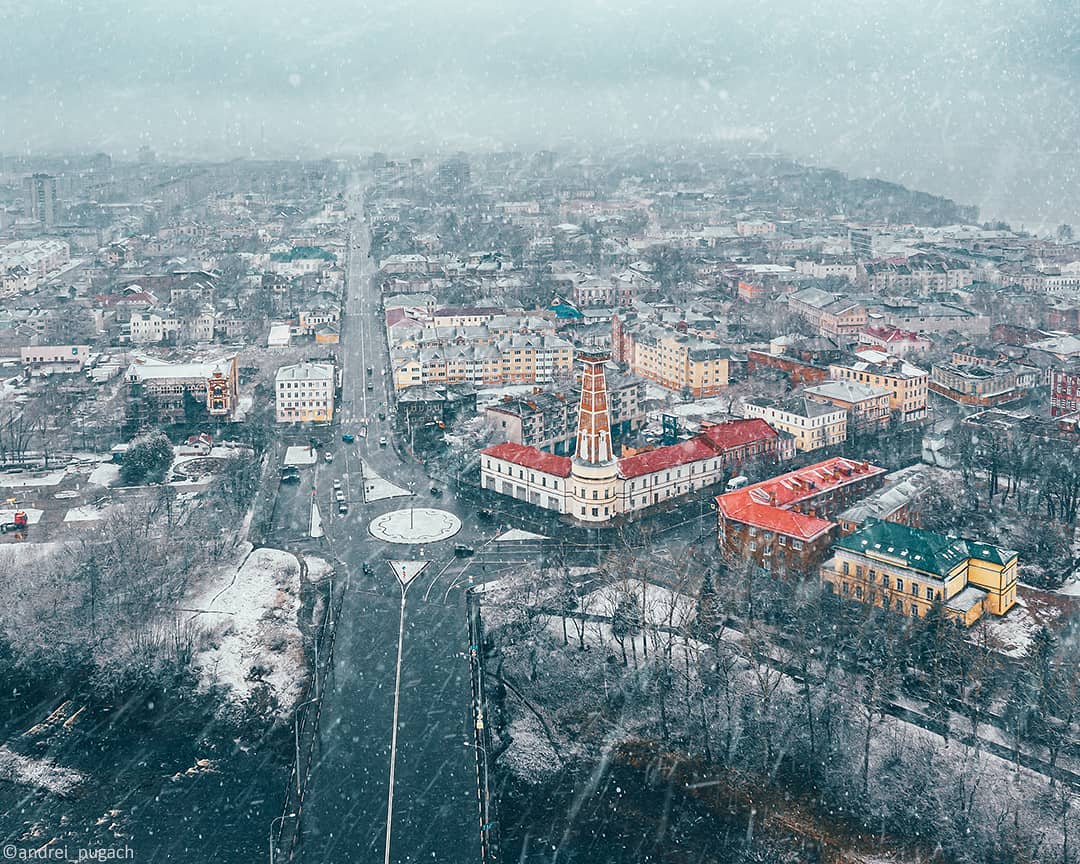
[661, 604]
[376, 488]
[87, 513]
[106, 474]
[39, 773]
[27, 481]
[518, 534]
[32, 516]
[301, 456]
[251, 636]
[714, 407]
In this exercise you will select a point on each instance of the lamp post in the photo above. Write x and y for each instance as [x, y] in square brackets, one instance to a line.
[296, 735]
[280, 818]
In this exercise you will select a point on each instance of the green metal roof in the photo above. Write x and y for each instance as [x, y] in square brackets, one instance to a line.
[922, 550]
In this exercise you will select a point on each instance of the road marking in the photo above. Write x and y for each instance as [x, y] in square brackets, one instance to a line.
[393, 736]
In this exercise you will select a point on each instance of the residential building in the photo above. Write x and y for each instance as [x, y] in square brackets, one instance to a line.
[783, 524]
[926, 317]
[892, 340]
[981, 384]
[908, 570]
[895, 501]
[907, 384]
[812, 424]
[831, 314]
[1065, 388]
[41, 203]
[867, 406]
[304, 393]
[518, 359]
[678, 361]
[50, 359]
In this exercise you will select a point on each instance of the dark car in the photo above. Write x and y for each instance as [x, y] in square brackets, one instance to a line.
[290, 478]
[348, 437]
[484, 514]
[436, 491]
[368, 569]
[463, 551]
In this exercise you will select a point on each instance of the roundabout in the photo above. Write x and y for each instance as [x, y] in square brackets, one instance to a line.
[415, 526]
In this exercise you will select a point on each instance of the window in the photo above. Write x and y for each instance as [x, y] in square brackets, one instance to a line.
[915, 589]
[899, 584]
[899, 605]
[931, 594]
[858, 592]
[845, 587]
[796, 545]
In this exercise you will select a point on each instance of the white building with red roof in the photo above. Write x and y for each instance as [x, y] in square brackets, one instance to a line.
[596, 486]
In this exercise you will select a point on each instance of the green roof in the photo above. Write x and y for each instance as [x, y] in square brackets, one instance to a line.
[921, 550]
[303, 252]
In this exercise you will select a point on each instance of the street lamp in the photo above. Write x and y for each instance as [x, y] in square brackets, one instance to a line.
[296, 734]
[280, 818]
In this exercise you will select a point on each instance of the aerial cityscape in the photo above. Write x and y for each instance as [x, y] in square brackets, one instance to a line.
[465, 499]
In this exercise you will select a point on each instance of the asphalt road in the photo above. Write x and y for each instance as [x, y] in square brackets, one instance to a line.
[434, 804]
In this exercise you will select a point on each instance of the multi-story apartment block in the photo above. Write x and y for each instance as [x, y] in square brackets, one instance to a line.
[812, 424]
[908, 570]
[304, 393]
[517, 360]
[867, 406]
[782, 524]
[1065, 388]
[906, 383]
[671, 359]
[150, 326]
[41, 204]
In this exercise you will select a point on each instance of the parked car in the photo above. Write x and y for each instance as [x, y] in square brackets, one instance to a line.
[339, 496]
[348, 438]
[337, 485]
[342, 507]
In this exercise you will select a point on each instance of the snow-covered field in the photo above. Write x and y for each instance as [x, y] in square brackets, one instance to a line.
[33, 516]
[87, 513]
[301, 456]
[251, 635]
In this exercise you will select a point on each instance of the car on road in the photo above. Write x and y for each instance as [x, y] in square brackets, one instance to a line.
[368, 569]
[463, 551]
[290, 478]
[483, 514]
[363, 432]
[370, 370]
[337, 485]
[382, 415]
[382, 441]
[348, 437]
[370, 386]
[436, 491]
[328, 456]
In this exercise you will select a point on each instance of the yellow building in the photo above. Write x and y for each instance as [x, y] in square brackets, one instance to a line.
[674, 360]
[906, 383]
[812, 424]
[523, 359]
[907, 570]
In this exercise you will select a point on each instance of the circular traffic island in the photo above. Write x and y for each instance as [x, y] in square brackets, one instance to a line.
[415, 526]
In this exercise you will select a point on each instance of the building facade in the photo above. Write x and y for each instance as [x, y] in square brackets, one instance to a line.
[812, 424]
[907, 570]
[671, 359]
[304, 393]
[907, 384]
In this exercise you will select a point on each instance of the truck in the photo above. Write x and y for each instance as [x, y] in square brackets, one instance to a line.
[18, 522]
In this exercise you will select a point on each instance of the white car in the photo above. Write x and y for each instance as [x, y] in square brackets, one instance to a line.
[328, 456]
[382, 441]
[337, 485]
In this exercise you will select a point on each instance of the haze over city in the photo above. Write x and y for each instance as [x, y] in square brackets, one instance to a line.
[970, 100]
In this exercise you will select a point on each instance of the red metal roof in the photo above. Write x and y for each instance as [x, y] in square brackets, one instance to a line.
[768, 504]
[639, 464]
[736, 433]
[530, 457]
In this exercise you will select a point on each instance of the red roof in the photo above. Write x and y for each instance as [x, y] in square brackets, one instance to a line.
[736, 433]
[769, 504]
[530, 457]
[712, 441]
[639, 464]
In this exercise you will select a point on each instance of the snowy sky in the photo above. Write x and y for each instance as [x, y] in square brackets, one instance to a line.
[977, 99]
